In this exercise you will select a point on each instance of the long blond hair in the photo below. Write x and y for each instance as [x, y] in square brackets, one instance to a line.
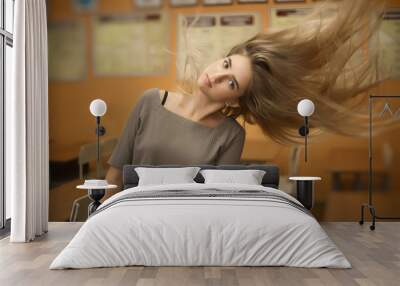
[315, 59]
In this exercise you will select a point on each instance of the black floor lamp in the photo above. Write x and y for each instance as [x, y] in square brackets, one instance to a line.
[369, 205]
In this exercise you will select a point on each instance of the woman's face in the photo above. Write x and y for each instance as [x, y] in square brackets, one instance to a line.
[226, 79]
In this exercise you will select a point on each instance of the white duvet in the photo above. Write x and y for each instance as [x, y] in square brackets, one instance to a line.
[206, 231]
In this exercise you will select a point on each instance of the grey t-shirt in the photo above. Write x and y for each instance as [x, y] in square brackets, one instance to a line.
[154, 135]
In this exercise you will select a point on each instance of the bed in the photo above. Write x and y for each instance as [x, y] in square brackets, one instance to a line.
[201, 224]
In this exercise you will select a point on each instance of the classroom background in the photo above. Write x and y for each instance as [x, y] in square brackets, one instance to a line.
[115, 50]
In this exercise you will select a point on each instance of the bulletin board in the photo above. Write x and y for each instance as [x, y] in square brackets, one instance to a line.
[213, 35]
[66, 51]
[286, 17]
[389, 37]
[132, 44]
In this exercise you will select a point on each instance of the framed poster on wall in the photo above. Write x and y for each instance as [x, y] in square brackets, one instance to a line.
[212, 35]
[286, 17]
[133, 44]
[288, 1]
[252, 1]
[148, 3]
[217, 2]
[388, 39]
[66, 50]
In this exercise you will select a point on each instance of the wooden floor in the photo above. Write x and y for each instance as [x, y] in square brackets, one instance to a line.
[374, 255]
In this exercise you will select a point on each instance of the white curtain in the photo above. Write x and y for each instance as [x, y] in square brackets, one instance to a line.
[27, 151]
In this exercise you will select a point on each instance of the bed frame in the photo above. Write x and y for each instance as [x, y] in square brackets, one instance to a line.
[130, 178]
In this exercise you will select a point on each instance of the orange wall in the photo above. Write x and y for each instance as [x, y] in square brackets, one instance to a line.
[71, 124]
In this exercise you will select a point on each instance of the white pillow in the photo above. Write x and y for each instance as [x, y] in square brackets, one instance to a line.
[166, 175]
[250, 176]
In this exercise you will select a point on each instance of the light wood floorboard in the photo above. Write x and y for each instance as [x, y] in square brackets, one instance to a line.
[374, 255]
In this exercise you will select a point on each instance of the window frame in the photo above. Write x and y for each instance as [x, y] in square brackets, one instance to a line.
[6, 39]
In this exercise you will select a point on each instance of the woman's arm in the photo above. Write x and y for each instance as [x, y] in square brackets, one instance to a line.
[113, 177]
[123, 151]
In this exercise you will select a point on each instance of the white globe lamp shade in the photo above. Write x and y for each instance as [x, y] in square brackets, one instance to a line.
[98, 107]
[305, 107]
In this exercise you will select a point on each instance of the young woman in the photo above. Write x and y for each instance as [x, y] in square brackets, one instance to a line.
[261, 79]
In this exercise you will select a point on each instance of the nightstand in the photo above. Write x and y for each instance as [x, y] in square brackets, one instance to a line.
[95, 193]
[305, 190]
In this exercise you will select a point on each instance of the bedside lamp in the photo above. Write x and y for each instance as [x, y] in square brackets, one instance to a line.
[98, 108]
[305, 108]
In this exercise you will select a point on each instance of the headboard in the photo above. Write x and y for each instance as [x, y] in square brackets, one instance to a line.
[130, 178]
